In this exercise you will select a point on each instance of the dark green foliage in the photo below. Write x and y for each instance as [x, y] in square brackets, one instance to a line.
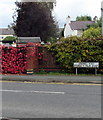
[34, 20]
[92, 32]
[78, 49]
[9, 39]
[97, 24]
[83, 18]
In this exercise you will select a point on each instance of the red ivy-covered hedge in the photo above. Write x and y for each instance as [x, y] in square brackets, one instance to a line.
[14, 59]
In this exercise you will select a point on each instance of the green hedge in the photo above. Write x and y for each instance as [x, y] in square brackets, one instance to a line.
[77, 49]
[9, 39]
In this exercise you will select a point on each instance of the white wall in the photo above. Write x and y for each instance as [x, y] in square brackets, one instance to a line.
[79, 33]
[74, 33]
[67, 31]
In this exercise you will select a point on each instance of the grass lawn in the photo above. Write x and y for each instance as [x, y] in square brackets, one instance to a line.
[62, 73]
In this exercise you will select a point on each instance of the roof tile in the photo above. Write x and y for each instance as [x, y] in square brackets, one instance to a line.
[78, 25]
[6, 31]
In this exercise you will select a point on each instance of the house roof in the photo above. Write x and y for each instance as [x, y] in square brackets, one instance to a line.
[78, 25]
[6, 31]
[29, 39]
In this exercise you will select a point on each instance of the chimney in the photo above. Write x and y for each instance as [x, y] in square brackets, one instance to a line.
[68, 19]
[95, 19]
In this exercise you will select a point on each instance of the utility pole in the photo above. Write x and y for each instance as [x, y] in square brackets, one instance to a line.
[102, 15]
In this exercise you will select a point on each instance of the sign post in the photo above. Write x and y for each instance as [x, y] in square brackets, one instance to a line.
[86, 65]
[76, 71]
[95, 71]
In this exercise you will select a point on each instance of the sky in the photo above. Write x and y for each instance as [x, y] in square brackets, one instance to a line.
[63, 8]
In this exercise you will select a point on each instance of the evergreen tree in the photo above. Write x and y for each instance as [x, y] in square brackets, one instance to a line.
[34, 20]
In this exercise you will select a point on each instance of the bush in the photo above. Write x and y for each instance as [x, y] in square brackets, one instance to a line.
[77, 49]
[9, 39]
[13, 60]
[92, 32]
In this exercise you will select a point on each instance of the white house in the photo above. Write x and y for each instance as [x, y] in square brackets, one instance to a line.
[75, 28]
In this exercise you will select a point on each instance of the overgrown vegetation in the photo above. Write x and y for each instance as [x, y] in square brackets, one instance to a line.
[98, 23]
[78, 49]
[92, 32]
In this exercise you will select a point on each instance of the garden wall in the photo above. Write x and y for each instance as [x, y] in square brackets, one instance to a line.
[26, 59]
[47, 61]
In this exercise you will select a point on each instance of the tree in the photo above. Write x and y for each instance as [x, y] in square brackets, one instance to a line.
[34, 19]
[97, 24]
[83, 18]
[92, 32]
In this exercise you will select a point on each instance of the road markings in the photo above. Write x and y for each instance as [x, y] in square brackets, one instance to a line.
[59, 83]
[43, 92]
[87, 84]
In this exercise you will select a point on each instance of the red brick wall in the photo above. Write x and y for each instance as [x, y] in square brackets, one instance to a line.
[48, 61]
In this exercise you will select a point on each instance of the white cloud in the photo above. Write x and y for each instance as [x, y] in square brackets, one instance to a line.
[76, 8]
[63, 8]
[6, 12]
[7, 2]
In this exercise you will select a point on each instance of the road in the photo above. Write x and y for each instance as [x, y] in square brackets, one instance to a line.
[31, 100]
[54, 78]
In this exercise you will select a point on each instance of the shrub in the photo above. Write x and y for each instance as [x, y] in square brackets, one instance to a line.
[9, 39]
[14, 60]
[77, 49]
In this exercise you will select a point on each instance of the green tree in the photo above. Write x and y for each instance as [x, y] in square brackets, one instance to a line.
[83, 18]
[97, 24]
[92, 32]
[34, 19]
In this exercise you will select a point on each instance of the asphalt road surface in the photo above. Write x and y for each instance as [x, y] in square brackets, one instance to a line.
[29, 100]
